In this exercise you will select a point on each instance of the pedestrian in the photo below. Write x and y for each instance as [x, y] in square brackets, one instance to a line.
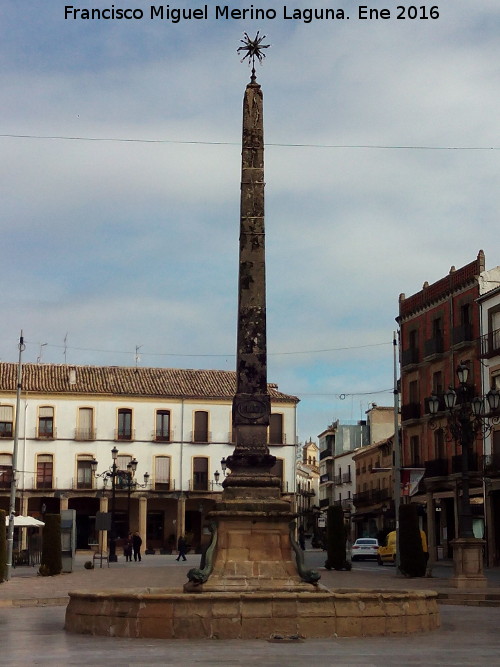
[302, 538]
[181, 548]
[127, 548]
[136, 545]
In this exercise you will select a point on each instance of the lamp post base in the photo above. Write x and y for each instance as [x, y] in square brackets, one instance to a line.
[468, 563]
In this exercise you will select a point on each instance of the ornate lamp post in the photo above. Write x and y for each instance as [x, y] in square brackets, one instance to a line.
[223, 465]
[122, 479]
[467, 416]
[126, 480]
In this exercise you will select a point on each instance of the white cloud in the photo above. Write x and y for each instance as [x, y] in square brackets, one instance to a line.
[125, 244]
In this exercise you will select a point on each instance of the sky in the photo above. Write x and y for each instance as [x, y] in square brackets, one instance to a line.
[119, 184]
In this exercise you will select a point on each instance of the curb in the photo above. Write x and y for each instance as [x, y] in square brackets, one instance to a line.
[35, 602]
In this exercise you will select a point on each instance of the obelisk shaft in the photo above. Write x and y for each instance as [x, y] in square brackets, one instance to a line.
[251, 404]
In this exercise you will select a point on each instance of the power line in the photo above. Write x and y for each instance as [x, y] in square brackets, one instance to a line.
[234, 143]
[176, 354]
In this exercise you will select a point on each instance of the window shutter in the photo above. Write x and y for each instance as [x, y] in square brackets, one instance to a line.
[6, 413]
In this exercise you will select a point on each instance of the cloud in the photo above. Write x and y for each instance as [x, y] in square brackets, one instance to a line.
[123, 243]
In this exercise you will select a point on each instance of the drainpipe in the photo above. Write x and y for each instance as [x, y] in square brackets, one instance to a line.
[397, 450]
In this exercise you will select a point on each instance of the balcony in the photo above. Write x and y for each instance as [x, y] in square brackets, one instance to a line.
[124, 435]
[324, 502]
[410, 356]
[337, 480]
[379, 495]
[462, 334]
[82, 484]
[200, 437]
[46, 434]
[325, 454]
[456, 463]
[410, 411]
[433, 346]
[436, 468]
[346, 478]
[85, 434]
[490, 344]
[277, 441]
[363, 498]
[162, 485]
[325, 479]
[161, 435]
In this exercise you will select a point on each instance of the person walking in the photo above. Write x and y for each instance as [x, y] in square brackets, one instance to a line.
[136, 545]
[302, 538]
[127, 548]
[181, 548]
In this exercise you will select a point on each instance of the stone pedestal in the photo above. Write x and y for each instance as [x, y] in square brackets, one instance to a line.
[253, 551]
[468, 563]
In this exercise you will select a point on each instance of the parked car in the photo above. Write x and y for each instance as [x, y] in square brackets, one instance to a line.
[364, 547]
[387, 553]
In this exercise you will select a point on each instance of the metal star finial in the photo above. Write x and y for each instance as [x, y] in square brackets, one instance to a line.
[253, 48]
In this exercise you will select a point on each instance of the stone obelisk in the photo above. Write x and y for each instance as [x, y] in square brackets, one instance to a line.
[252, 543]
[251, 462]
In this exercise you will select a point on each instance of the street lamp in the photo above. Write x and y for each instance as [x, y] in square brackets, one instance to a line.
[125, 480]
[223, 465]
[466, 418]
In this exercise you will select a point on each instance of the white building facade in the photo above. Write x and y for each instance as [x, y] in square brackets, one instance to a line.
[175, 423]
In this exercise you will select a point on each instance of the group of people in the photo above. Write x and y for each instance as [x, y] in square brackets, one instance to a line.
[132, 545]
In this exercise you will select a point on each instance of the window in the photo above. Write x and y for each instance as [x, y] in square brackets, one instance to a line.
[44, 470]
[437, 328]
[200, 473]
[413, 391]
[5, 471]
[122, 461]
[466, 314]
[439, 444]
[124, 424]
[200, 426]
[437, 383]
[276, 429]
[85, 429]
[162, 425]
[414, 450]
[6, 421]
[46, 422]
[413, 339]
[162, 473]
[84, 477]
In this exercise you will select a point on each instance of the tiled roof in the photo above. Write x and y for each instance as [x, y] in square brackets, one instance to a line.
[121, 381]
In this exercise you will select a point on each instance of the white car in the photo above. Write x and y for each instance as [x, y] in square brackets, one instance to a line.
[364, 547]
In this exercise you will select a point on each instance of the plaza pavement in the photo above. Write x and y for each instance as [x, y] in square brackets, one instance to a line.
[32, 618]
[26, 588]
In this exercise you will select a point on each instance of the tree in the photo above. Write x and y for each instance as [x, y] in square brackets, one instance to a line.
[336, 538]
[51, 546]
[412, 557]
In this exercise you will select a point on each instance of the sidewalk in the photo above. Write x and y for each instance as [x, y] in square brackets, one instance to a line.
[27, 589]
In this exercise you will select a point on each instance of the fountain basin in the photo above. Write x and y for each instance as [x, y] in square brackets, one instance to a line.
[168, 614]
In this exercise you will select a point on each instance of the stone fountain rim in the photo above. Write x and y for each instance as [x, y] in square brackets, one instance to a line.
[339, 594]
